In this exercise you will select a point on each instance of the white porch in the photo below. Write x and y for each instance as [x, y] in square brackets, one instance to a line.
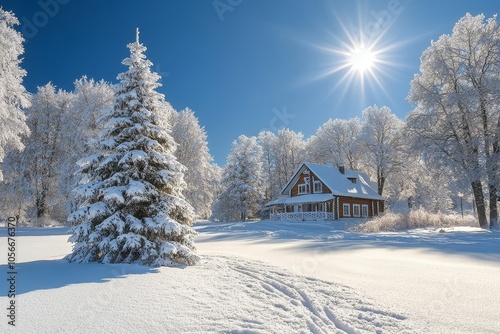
[305, 207]
[303, 216]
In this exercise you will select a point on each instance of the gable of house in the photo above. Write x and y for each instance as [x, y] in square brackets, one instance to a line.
[309, 183]
[313, 178]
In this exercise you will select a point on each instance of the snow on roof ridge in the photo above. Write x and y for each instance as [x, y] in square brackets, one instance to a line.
[339, 184]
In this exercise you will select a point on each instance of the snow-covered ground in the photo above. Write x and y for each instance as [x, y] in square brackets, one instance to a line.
[266, 277]
[443, 282]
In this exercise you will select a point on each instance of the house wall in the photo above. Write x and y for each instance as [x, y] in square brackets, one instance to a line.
[375, 207]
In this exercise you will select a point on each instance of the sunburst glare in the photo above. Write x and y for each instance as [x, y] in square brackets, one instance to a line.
[360, 60]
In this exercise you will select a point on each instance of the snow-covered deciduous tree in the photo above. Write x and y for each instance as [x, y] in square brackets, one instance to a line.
[37, 169]
[290, 153]
[282, 154]
[242, 192]
[457, 113]
[60, 123]
[13, 95]
[192, 151]
[381, 140]
[132, 208]
[267, 141]
[81, 126]
[336, 142]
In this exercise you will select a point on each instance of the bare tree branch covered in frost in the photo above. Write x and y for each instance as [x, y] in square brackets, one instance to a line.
[13, 95]
[192, 151]
[242, 192]
[457, 115]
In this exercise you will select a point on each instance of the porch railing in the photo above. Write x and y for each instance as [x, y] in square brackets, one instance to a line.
[303, 216]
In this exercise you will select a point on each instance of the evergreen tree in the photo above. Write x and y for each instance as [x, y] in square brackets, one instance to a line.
[132, 209]
[13, 95]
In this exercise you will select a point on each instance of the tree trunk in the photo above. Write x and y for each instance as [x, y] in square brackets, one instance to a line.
[493, 207]
[494, 178]
[41, 207]
[380, 180]
[491, 164]
[477, 189]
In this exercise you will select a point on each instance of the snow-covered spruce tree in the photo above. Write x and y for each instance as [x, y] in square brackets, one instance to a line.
[132, 208]
[13, 95]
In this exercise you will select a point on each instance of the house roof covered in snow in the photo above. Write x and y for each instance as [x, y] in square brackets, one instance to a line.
[340, 184]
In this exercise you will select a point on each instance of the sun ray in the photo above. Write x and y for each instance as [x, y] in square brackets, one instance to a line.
[360, 60]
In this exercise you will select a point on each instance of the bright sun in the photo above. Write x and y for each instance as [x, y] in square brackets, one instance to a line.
[358, 60]
[361, 59]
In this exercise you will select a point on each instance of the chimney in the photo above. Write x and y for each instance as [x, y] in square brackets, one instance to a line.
[342, 168]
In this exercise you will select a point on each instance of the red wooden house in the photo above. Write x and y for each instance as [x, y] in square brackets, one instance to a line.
[318, 192]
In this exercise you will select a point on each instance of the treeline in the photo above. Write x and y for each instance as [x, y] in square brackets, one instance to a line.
[447, 148]
[38, 181]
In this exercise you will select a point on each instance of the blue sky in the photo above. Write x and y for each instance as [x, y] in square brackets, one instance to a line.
[243, 65]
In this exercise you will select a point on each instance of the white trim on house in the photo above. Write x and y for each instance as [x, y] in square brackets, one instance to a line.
[346, 213]
[364, 210]
[317, 187]
[303, 216]
[356, 210]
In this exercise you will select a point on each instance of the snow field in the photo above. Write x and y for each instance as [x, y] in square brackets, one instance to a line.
[442, 282]
[223, 294]
[268, 277]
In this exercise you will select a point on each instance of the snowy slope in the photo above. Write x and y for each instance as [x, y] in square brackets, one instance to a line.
[224, 294]
[444, 282]
[265, 277]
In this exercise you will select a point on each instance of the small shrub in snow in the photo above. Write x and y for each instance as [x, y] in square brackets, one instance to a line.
[393, 222]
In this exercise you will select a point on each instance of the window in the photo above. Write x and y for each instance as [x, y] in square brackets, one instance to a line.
[364, 210]
[305, 188]
[355, 210]
[321, 207]
[352, 179]
[318, 188]
[347, 210]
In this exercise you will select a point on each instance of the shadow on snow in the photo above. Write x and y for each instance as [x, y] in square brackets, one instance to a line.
[325, 236]
[54, 274]
[36, 231]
